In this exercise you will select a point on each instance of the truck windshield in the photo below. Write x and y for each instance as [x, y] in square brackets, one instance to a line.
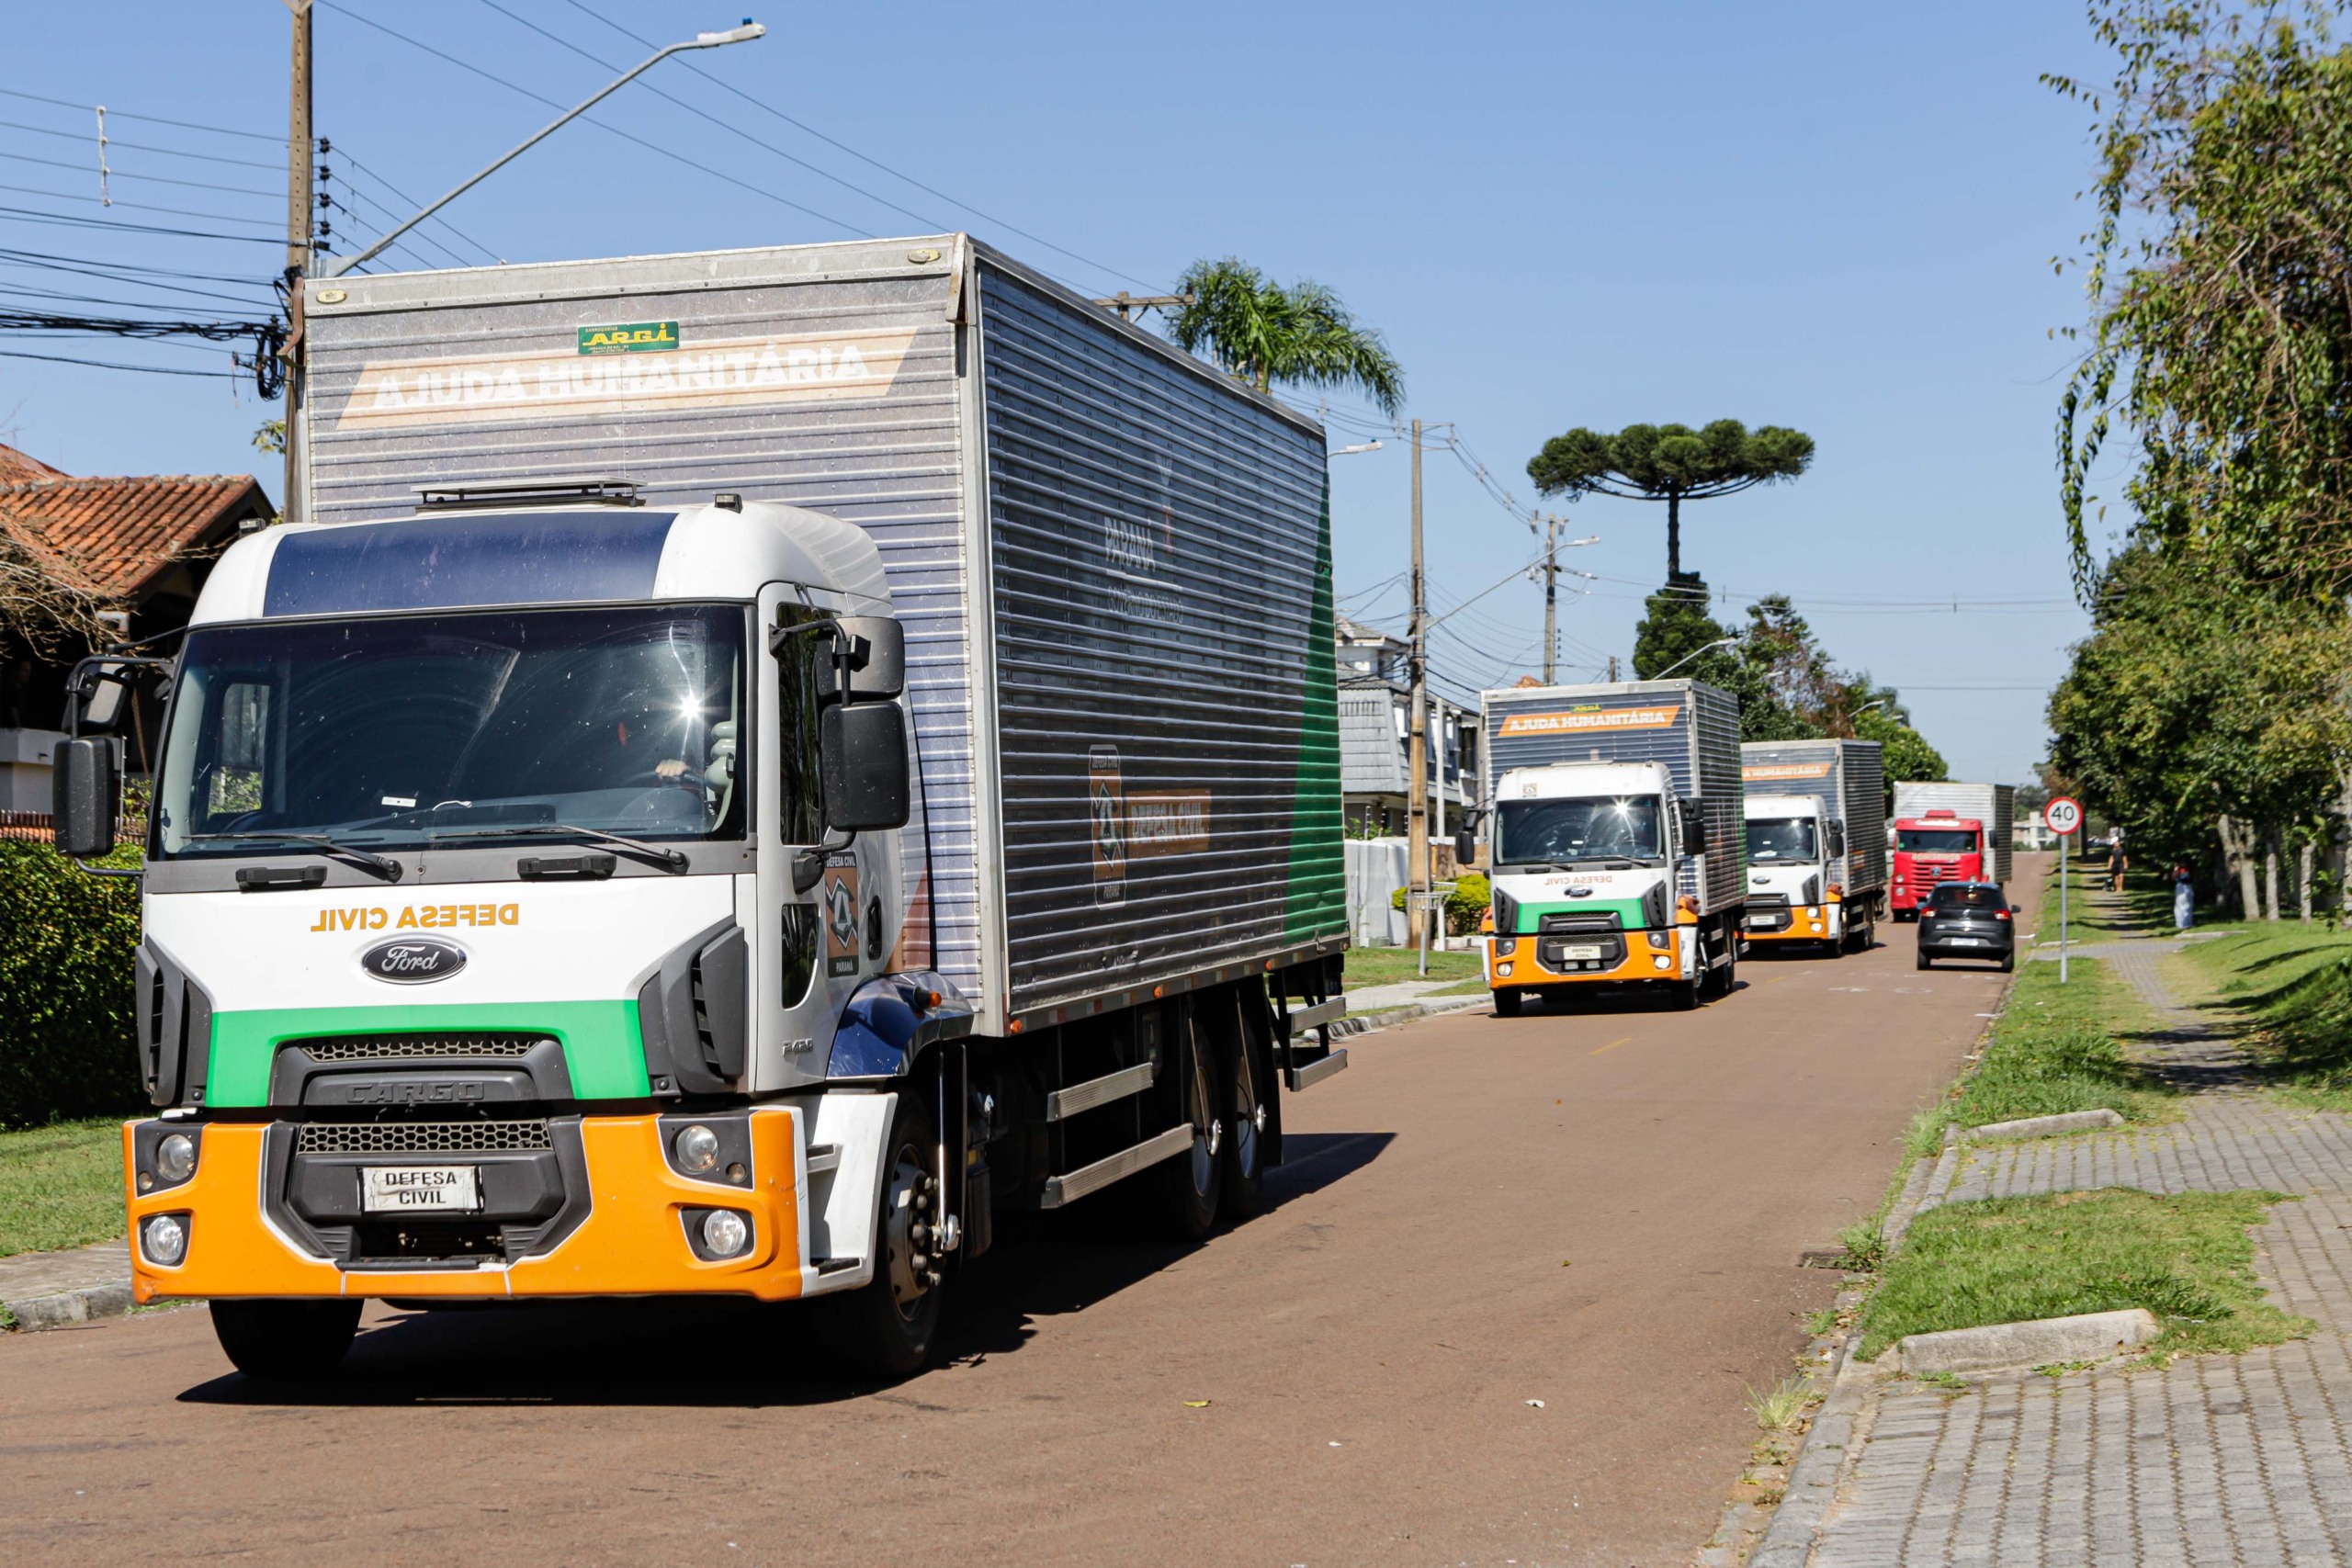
[1555, 831]
[1780, 838]
[407, 730]
[1937, 841]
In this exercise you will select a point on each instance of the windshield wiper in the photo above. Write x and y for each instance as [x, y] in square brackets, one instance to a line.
[318, 843]
[674, 859]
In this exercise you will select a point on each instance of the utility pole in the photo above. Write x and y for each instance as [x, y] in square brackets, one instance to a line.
[297, 244]
[1417, 825]
[1613, 668]
[1551, 597]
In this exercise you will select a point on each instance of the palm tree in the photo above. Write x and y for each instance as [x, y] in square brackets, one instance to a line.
[1262, 332]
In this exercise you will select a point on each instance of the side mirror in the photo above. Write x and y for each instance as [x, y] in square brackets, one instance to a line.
[1693, 827]
[862, 753]
[2017, 909]
[1837, 838]
[1465, 846]
[101, 697]
[876, 657]
[87, 791]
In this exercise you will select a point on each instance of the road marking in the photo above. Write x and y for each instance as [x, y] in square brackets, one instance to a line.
[1610, 1046]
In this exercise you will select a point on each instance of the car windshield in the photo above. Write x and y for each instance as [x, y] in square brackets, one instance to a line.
[1779, 839]
[1550, 831]
[404, 731]
[1937, 841]
[1968, 897]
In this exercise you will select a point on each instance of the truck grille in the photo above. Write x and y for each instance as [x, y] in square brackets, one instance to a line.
[1559, 932]
[393, 1047]
[422, 1137]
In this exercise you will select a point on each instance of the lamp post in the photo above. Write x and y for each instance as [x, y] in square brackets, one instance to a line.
[1719, 642]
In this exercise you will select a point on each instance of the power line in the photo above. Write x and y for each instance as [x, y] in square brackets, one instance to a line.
[592, 119]
[64, 220]
[843, 146]
[142, 146]
[131, 205]
[124, 174]
[70, 264]
[145, 119]
[436, 220]
[115, 365]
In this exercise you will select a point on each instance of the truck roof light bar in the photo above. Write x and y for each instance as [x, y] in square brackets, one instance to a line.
[500, 498]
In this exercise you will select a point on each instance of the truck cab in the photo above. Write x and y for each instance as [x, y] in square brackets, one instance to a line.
[1793, 845]
[1585, 859]
[1933, 848]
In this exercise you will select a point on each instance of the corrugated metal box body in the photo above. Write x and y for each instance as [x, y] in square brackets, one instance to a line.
[1993, 804]
[1060, 502]
[1850, 778]
[1691, 728]
[1162, 587]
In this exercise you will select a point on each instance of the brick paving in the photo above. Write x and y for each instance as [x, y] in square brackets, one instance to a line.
[2236, 1459]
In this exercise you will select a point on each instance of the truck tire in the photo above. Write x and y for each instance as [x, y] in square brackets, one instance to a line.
[281, 1341]
[1192, 1186]
[885, 1327]
[1507, 1003]
[1683, 996]
[1248, 1087]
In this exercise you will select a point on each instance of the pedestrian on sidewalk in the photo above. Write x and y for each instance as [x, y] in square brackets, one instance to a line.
[2115, 861]
[2184, 898]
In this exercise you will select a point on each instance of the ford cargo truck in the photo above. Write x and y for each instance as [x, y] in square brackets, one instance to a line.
[749, 766]
[1948, 832]
[1615, 834]
[1816, 843]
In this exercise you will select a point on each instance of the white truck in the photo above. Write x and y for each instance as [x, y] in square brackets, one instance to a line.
[1613, 830]
[1817, 843]
[905, 791]
[1948, 832]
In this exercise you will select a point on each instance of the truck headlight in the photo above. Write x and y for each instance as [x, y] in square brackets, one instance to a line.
[175, 1158]
[163, 1239]
[696, 1147]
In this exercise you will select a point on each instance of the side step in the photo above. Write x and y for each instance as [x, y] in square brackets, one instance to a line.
[1315, 1072]
[1321, 1013]
[1067, 1102]
[1061, 1190]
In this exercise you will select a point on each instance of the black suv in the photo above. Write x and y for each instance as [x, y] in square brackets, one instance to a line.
[1968, 919]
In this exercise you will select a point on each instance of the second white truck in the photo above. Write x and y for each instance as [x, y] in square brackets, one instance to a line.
[1817, 843]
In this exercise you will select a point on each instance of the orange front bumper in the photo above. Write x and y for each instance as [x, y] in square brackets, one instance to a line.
[1642, 951]
[633, 1242]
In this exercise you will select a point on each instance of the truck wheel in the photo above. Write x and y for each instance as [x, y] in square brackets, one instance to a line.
[1247, 1088]
[1684, 997]
[885, 1326]
[1507, 1003]
[286, 1341]
[1192, 1184]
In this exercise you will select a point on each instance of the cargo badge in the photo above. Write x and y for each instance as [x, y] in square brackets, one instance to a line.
[414, 960]
[1107, 815]
[840, 898]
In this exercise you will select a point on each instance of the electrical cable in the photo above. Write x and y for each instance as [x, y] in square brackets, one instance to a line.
[131, 205]
[147, 119]
[894, 173]
[65, 219]
[142, 146]
[126, 174]
[436, 220]
[113, 364]
[592, 119]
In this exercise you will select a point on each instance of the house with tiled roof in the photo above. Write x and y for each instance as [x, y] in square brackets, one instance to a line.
[138, 547]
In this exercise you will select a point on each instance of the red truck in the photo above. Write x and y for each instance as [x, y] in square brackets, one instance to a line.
[1939, 846]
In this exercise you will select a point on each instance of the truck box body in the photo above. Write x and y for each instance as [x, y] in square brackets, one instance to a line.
[1692, 729]
[1112, 562]
[1994, 805]
[1848, 778]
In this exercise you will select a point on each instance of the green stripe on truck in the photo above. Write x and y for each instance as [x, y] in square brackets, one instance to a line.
[1318, 901]
[1531, 913]
[602, 1048]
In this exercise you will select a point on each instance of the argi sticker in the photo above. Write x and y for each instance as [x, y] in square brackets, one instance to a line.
[636, 337]
[1106, 808]
[839, 910]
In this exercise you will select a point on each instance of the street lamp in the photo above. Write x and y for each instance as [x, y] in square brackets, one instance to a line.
[744, 34]
[1719, 642]
[1351, 451]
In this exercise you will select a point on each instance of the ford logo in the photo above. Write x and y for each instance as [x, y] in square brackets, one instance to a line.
[1579, 892]
[412, 960]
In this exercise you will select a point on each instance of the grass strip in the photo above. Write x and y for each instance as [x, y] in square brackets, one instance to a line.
[2054, 1049]
[2185, 1256]
[1393, 966]
[2286, 992]
[61, 1185]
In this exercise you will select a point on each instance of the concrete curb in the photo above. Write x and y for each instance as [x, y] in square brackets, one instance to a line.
[67, 1307]
[1820, 1465]
[1388, 1018]
[2044, 1342]
[2048, 1126]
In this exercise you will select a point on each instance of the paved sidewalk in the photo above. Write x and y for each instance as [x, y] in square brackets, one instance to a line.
[49, 1289]
[2217, 1460]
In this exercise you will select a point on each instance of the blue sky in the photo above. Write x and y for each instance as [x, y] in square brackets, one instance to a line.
[1839, 218]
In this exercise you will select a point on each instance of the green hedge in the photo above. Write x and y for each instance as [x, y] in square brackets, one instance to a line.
[66, 1045]
[1464, 907]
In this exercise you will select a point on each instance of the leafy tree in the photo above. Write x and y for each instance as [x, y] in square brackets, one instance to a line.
[1906, 755]
[1262, 332]
[1671, 463]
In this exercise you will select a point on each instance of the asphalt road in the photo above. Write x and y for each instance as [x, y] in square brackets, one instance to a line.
[1602, 1210]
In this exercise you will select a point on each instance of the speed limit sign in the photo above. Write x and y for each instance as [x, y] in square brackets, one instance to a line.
[2063, 815]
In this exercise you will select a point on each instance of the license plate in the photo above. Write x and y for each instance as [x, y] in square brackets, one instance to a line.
[1967, 940]
[420, 1189]
[1581, 950]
